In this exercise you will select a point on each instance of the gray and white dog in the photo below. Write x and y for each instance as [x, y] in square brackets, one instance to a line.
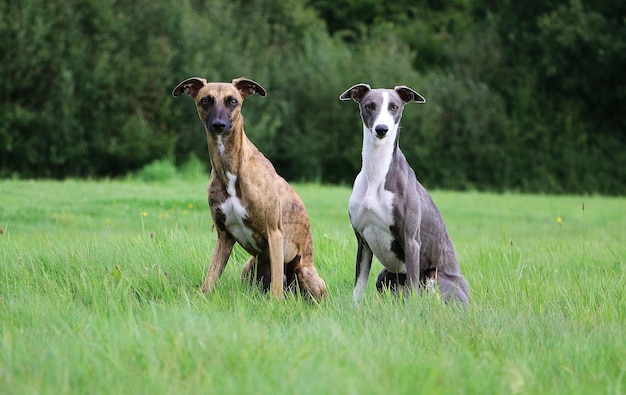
[393, 216]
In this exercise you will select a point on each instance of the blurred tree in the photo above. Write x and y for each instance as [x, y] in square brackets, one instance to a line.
[519, 95]
[83, 91]
[565, 88]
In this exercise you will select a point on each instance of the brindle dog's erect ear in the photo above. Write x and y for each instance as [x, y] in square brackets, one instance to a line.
[356, 93]
[248, 87]
[190, 87]
[407, 94]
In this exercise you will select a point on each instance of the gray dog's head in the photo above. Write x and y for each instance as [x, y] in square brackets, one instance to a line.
[381, 109]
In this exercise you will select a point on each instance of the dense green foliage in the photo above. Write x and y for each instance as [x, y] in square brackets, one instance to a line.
[520, 96]
[99, 294]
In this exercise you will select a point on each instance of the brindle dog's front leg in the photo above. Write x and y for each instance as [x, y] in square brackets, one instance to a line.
[277, 261]
[221, 253]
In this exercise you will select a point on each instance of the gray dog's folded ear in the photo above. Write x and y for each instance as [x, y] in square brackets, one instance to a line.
[356, 93]
[248, 87]
[407, 94]
[190, 87]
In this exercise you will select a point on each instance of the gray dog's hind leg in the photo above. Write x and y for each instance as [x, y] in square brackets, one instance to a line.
[392, 281]
[453, 288]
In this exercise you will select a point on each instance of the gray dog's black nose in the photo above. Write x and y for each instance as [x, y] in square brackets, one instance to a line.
[381, 130]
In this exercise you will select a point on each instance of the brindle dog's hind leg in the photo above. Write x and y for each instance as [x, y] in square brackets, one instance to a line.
[309, 281]
[257, 272]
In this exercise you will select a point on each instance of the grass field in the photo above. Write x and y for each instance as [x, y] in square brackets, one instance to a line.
[99, 294]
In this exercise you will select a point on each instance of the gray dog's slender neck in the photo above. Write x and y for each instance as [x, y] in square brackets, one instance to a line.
[376, 157]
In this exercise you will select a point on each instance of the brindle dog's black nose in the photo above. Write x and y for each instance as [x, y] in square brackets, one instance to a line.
[381, 130]
[218, 126]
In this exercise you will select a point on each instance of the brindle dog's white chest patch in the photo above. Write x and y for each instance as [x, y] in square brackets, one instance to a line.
[235, 214]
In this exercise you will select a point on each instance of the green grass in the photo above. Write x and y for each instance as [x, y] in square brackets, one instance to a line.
[99, 293]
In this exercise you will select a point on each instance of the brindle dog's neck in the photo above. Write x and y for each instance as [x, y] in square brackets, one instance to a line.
[227, 151]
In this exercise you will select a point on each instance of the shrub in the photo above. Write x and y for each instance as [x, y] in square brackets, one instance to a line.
[159, 170]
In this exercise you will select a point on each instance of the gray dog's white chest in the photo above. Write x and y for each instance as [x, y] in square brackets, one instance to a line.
[371, 214]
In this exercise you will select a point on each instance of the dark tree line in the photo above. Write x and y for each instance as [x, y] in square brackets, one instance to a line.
[522, 96]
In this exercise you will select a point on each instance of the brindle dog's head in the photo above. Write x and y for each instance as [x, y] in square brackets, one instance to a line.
[218, 103]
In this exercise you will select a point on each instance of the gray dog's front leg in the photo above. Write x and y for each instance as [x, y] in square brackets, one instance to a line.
[364, 257]
[412, 254]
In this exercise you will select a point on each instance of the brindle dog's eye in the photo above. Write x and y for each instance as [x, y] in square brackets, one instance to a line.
[232, 101]
[205, 101]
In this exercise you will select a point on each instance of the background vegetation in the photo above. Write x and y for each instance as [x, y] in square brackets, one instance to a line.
[99, 294]
[520, 96]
